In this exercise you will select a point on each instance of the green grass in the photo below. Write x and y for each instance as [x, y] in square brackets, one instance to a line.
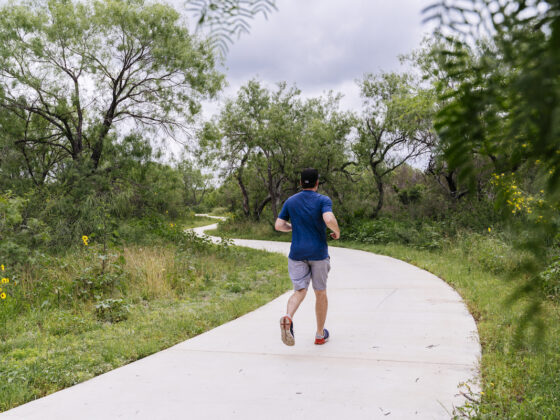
[175, 288]
[220, 211]
[196, 222]
[520, 376]
[249, 230]
[521, 379]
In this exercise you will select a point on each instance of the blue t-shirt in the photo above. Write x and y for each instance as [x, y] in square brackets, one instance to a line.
[309, 236]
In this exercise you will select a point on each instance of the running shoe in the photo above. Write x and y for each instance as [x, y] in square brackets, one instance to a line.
[287, 330]
[324, 338]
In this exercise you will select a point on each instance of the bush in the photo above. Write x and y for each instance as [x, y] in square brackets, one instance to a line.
[384, 230]
[550, 280]
[219, 211]
[93, 282]
[12, 245]
[112, 310]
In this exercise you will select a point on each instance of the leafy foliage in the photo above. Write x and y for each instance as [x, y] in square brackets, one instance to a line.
[112, 310]
[503, 104]
[71, 72]
[499, 65]
[396, 126]
[262, 139]
[228, 18]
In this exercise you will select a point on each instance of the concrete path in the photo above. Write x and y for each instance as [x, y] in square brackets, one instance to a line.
[402, 341]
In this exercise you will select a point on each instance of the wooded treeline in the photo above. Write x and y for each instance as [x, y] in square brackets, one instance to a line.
[262, 139]
[89, 90]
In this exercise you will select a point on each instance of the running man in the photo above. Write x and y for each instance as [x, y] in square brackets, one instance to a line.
[310, 214]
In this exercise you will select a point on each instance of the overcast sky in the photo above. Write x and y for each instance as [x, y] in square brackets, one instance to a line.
[320, 45]
[323, 45]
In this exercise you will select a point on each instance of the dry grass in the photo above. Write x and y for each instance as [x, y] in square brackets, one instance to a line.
[151, 269]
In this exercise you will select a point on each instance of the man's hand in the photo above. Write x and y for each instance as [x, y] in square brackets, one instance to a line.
[282, 225]
[332, 224]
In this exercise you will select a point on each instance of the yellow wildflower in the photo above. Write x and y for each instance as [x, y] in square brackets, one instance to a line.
[3, 295]
[489, 229]
[5, 280]
[85, 240]
[2, 267]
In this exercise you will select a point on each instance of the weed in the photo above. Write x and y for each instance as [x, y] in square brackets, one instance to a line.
[112, 310]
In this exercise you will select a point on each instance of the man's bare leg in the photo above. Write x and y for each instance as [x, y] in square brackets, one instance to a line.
[321, 306]
[295, 300]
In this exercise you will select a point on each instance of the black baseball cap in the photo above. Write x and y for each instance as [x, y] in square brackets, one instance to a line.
[309, 177]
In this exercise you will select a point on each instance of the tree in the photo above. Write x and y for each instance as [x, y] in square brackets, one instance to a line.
[263, 139]
[73, 72]
[396, 126]
[504, 61]
[229, 139]
[195, 183]
[431, 66]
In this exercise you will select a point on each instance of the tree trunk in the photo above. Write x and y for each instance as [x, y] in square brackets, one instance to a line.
[451, 183]
[261, 207]
[380, 190]
[239, 177]
[246, 209]
[104, 130]
[274, 207]
[272, 191]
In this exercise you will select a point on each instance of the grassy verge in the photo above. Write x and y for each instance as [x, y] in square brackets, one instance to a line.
[196, 221]
[79, 314]
[520, 376]
[241, 229]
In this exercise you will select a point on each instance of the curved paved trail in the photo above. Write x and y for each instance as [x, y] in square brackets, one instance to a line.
[401, 343]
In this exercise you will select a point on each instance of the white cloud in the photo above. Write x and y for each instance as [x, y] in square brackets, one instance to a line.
[323, 45]
[319, 42]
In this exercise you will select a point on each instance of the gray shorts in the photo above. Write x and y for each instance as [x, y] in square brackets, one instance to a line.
[301, 272]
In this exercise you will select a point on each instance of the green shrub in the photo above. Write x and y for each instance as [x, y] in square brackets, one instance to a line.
[219, 211]
[490, 252]
[112, 310]
[426, 235]
[93, 282]
[550, 280]
[13, 247]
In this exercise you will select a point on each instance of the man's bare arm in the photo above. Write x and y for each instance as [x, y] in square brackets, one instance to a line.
[332, 224]
[282, 225]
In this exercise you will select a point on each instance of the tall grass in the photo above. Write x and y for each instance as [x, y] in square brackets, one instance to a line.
[150, 270]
